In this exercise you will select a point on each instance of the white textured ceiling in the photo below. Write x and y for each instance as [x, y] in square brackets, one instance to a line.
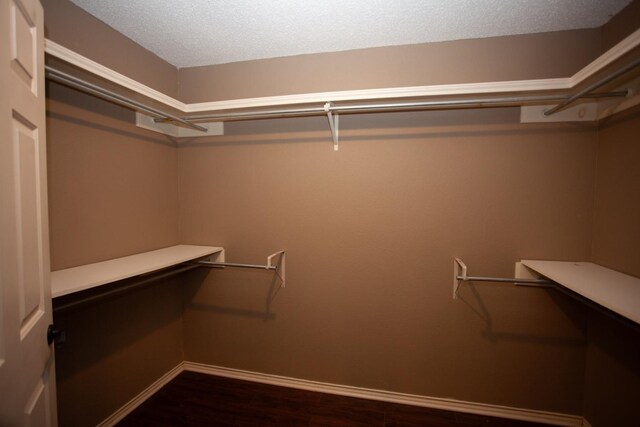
[189, 33]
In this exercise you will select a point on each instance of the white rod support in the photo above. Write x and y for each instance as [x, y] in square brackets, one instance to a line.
[333, 124]
[459, 275]
[280, 267]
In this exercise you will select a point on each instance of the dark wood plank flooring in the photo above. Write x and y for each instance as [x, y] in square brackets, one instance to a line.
[193, 399]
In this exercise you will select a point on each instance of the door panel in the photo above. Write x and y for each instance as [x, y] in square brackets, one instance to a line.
[22, 42]
[27, 374]
[36, 411]
[30, 281]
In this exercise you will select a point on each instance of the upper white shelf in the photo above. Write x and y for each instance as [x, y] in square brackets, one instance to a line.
[70, 280]
[613, 290]
[483, 88]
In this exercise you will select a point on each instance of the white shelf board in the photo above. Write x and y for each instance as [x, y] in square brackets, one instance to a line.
[70, 280]
[611, 289]
[625, 46]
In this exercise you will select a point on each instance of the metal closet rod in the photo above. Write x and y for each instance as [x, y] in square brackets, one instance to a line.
[100, 92]
[543, 283]
[278, 268]
[161, 116]
[564, 101]
[593, 87]
[212, 264]
[391, 106]
[530, 282]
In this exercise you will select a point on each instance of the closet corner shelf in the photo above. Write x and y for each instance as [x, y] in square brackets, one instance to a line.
[611, 289]
[70, 280]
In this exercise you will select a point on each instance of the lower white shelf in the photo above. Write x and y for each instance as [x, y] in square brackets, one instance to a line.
[70, 280]
[616, 291]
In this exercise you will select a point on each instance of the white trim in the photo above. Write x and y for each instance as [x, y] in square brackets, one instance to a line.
[622, 48]
[389, 396]
[54, 49]
[385, 93]
[486, 409]
[128, 407]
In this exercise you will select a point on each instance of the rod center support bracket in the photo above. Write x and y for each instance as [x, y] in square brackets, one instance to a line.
[459, 275]
[333, 124]
[279, 267]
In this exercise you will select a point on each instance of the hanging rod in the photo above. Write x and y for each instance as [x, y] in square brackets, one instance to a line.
[93, 89]
[594, 86]
[279, 268]
[460, 275]
[388, 107]
[462, 103]
[213, 264]
[332, 111]
[504, 280]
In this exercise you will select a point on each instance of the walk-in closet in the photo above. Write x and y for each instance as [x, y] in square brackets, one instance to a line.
[439, 232]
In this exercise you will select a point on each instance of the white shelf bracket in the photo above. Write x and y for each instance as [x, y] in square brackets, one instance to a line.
[279, 267]
[459, 275]
[333, 124]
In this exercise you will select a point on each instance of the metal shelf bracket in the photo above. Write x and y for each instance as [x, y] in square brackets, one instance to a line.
[333, 124]
[459, 275]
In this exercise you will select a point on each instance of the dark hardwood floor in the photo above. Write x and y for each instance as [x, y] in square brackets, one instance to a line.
[193, 399]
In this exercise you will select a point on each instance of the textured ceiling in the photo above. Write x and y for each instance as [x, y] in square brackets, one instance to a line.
[189, 33]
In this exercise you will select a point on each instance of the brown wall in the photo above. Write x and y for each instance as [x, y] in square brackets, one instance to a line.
[621, 25]
[532, 56]
[75, 29]
[112, 192]
[115, 349]
[113, 188]
[616, 229]
[612, 374]
[612, 380]
[371, 232]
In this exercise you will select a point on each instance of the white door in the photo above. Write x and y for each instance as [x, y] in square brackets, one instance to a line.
[27, 374]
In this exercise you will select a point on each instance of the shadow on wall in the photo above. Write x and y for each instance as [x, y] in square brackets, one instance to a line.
[240, 293]
[91, 114]
[115, 348]
[100, 330]
[97, 125]
[572, 310]
[621, 341]
[417, 125]
[612, 379]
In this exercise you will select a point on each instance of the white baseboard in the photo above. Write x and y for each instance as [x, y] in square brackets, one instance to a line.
[389, 396]
[128, 407]
[486, 409]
